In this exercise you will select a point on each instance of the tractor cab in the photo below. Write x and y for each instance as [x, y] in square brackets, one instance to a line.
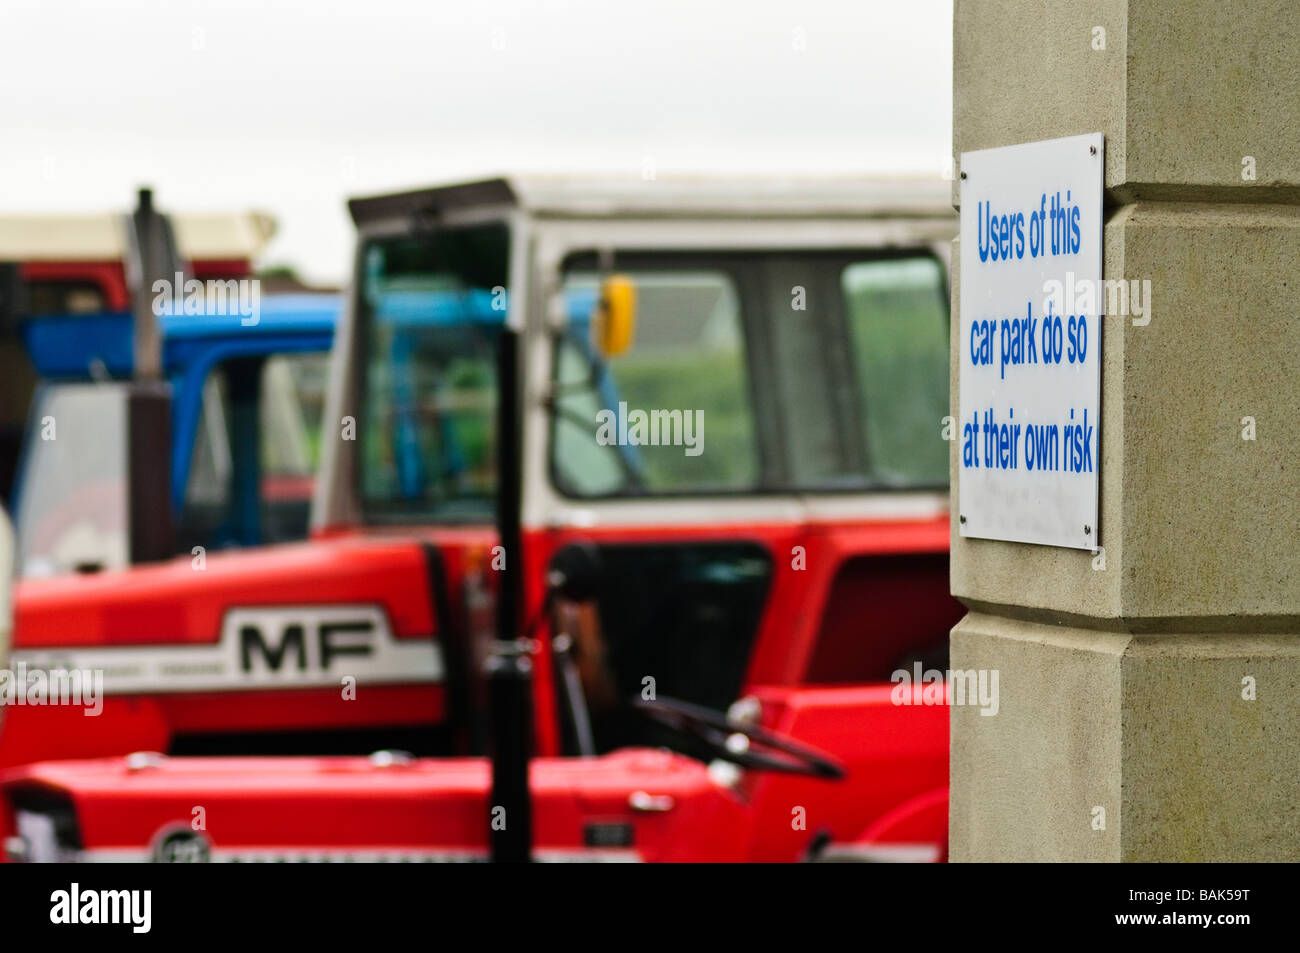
[732, 395]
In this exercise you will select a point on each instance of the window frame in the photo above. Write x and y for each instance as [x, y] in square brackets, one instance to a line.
[770, 424]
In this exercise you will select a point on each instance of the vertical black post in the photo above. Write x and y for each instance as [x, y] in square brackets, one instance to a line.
[152, 256]
[510, 814]
[509, 484]
[15, 372]
[509, 669]
[244, 377]
[151, 528]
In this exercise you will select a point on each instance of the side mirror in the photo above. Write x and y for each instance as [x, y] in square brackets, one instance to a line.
[614, 321]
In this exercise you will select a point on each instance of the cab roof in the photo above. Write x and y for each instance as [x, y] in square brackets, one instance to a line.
[593, 196]
[102, 236]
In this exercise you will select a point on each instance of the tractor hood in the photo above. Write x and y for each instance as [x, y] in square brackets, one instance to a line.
[186, 601]
[148, 807]
[209, 654]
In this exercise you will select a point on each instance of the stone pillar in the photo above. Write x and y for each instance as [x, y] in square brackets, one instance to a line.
[1158, 680]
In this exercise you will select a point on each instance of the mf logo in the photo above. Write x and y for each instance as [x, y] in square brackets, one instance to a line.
[316, 645]
[303, 645]
[312, 644]
[266, 647]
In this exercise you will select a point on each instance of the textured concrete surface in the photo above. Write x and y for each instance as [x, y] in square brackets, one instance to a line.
[1023, 71]
[1121, 682]
[1207, 775]
[1210, 522]
[1151, 729]
[1207, 84]
[1026, 780]
[1184, 89]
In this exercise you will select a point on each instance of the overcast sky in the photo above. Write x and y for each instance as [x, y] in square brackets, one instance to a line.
[293, 106]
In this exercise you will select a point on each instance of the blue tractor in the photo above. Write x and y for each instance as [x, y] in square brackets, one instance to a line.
[225, 428]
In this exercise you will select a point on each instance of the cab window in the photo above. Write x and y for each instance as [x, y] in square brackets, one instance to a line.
[755, 373]
[255, 452]
[432, 308]
[675, 413]
[897, 312]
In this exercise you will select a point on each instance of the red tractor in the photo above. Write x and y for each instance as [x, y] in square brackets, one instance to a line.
[633, 501]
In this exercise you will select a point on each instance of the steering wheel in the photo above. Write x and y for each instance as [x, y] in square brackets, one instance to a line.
[713, 729]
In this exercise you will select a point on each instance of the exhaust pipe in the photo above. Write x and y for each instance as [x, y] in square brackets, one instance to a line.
[152, 255]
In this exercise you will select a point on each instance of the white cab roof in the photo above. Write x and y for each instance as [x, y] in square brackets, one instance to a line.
[102, 237]
[684, 197]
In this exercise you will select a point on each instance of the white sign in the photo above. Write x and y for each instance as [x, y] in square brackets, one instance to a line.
[1030, 346]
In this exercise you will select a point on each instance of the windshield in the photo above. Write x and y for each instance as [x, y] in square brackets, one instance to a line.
[432, 307]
